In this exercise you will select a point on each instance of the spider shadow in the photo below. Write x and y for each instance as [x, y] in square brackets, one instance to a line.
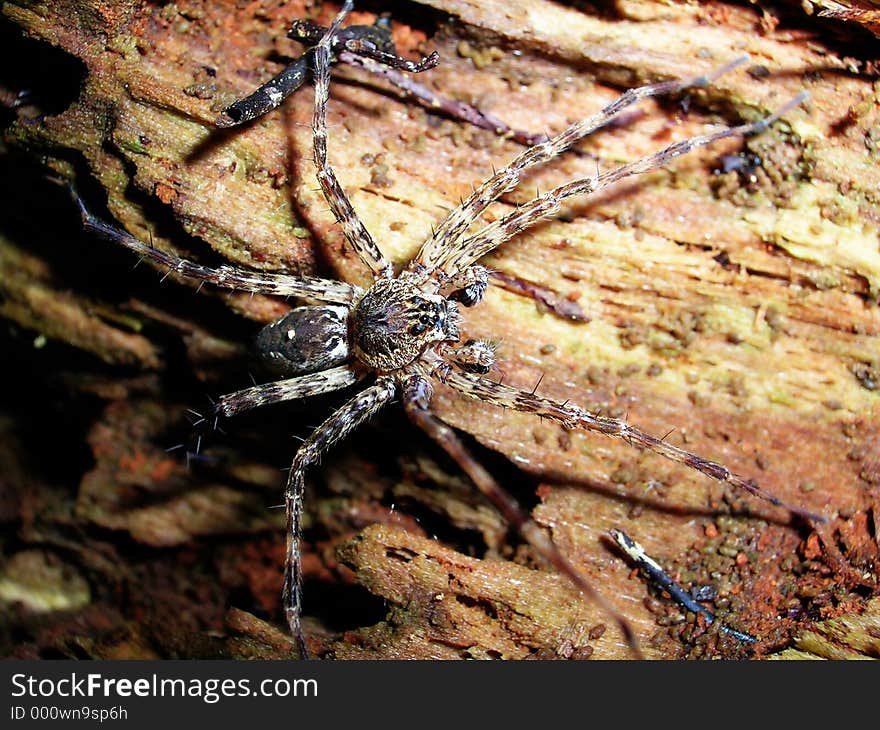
[213, 142]
[654, 503]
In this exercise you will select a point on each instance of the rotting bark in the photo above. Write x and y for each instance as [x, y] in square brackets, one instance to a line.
[739, 308]
[846, 637]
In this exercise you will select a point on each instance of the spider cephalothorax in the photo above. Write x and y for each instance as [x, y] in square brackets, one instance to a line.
[402, 334]
[395, 321]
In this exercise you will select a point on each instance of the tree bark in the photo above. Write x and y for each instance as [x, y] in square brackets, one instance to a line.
[729, 301]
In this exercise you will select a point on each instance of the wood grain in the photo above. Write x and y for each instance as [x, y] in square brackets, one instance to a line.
[736, 312]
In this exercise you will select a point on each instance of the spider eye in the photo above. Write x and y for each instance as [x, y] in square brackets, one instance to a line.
[394, 322]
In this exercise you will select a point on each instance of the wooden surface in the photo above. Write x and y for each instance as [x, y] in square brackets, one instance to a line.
[737, 311]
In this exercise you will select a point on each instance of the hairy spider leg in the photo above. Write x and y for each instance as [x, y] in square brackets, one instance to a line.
[573, 417]
[468, 250]
[301, 386]
[344, 420]
[417, 393]
[435, 250]
[305, 287]
[355, 232]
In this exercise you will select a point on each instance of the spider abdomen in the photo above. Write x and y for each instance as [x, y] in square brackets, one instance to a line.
[305, 340]
[395, 321]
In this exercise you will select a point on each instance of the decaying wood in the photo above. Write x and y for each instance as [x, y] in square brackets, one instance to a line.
[737, 309]
[846, 637]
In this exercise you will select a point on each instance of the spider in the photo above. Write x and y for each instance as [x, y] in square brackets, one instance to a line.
[402, 334]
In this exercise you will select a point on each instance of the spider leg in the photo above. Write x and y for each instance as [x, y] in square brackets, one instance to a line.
[665, 582]
[572, 417]
[301, 386]
[348, 417]
[433, 251]
[468, 250]
[417, 391]
[228, 277]
[355, 232]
